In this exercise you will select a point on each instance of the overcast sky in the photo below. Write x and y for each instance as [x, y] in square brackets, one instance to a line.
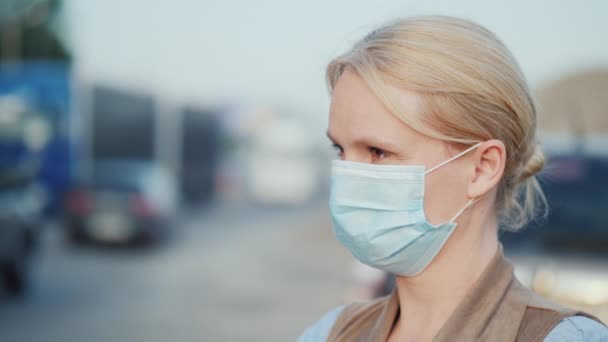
[274, 52]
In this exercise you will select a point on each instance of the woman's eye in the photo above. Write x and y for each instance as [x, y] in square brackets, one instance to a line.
[338, 149]
[378, 153]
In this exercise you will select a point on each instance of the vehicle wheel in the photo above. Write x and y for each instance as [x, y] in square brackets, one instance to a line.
[15, 277]
[75, 237]
[30, 240]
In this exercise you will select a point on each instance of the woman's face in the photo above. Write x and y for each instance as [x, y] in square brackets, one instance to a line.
[364, 131]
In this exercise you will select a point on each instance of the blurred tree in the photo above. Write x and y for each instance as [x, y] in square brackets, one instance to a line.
[26, 31]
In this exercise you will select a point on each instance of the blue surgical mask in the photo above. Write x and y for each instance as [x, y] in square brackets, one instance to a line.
[378, 215]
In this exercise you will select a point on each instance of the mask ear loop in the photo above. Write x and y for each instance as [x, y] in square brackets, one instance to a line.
[466, 206]
[472, 200]
[453, 158]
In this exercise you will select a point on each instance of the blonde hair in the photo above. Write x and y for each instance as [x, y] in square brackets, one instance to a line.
[472, 90]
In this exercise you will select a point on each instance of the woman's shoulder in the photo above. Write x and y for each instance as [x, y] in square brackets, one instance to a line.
[578, 328]
[320, 330]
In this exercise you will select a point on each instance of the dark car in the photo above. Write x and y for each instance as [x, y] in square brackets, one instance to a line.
[123, 201]
[576, 188]
[21, 205]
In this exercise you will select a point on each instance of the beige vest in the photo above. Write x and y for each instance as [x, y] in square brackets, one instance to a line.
[498, 308]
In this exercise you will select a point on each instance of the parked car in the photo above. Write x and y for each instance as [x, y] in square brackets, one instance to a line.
[123, 201]
[21, 205]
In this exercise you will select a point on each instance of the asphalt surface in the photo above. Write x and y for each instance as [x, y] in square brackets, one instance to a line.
[229, 273]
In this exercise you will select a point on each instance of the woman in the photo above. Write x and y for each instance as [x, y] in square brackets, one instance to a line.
[435, 130]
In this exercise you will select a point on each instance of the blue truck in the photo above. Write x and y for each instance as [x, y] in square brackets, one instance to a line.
[40, 91]
[36, 158]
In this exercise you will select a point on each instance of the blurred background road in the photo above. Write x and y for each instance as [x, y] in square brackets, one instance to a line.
[223, 278]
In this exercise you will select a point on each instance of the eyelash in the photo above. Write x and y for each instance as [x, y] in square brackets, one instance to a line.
[376, 152]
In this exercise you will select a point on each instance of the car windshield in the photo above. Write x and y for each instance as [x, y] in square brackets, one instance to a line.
[121, 175]
[577, 192]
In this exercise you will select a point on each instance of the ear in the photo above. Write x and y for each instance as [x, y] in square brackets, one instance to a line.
[490, 159]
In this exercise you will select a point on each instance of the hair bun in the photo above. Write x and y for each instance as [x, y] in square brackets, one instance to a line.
[535, 163]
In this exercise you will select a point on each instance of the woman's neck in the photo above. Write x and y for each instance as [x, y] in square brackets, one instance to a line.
[427, 300]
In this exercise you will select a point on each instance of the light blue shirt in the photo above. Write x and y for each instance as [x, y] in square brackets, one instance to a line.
[571, 329]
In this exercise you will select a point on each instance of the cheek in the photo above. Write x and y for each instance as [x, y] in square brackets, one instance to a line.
[444, 195]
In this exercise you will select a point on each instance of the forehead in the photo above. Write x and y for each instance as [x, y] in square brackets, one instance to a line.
[355, 109]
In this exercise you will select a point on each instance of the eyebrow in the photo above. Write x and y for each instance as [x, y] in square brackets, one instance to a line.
[372, 141]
